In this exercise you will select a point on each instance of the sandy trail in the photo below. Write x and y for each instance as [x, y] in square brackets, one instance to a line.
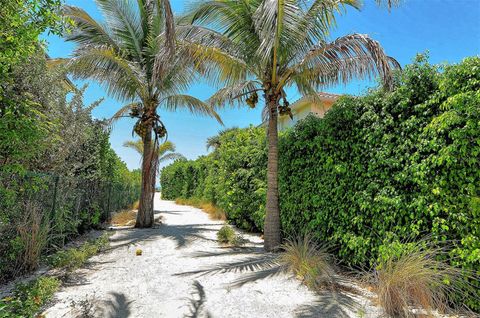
[161, 282]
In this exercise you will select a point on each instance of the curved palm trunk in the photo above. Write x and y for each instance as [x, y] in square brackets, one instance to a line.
[145, 209]
[272, 219]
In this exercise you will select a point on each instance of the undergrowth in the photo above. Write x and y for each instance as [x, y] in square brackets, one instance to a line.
[75, 257]
[28, 299]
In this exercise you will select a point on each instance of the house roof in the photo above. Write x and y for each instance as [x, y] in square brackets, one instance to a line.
[323, 96]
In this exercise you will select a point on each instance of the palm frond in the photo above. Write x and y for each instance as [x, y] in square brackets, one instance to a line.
[234, 94]
[122, 78]
[193, 104]
[124, 111]
[135, 145]
[171, 156]
[348, 57]
[87, 31]
[125, 22]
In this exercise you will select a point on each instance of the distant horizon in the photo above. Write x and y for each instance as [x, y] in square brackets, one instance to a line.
[448, 30]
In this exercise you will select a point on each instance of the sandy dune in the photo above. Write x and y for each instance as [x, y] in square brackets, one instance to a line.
[183, 272]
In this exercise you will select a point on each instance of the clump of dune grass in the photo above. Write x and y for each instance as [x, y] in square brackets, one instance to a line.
[124, 218]
[214, 212]
[309, 261]
[418, 280]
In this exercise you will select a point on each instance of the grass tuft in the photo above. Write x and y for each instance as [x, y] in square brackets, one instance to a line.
[416, 280]
[309, 261]
[227, 235]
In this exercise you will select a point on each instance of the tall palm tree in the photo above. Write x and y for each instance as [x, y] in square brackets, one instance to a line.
[267, 46]
[133, 56]
[163, 152]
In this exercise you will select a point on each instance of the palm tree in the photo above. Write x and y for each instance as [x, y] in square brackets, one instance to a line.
[267, 46]
[164, 152]
[133, 56]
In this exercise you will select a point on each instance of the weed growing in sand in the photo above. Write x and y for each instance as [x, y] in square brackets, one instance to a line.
[417, 279]
[27, 299]
[309, 261]
[227, 235]
[75, 257]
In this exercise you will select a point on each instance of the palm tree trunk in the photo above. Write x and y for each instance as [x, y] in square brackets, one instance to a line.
[145, 209]
[272, 219]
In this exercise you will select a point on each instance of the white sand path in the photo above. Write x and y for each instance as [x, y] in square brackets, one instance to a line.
[159, 283]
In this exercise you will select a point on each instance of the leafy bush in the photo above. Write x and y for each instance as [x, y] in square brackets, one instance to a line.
[29, 298]
[226, 235]
[75, 257]
[231, 178]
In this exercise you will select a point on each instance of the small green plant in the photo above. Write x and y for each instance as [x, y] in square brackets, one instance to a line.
[226, 235]
[75, 257]
[417, 278]
[309, 261]
[27, 299]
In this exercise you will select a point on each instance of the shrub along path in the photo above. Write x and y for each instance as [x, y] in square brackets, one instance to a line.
[184, 272]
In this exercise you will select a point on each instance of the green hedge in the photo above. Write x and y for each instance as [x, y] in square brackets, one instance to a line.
[231, 177]
[376, 170]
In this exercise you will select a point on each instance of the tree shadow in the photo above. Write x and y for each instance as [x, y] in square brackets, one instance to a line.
[183, 234]
[330, 304]
[118, 307]
[197, 302]
[256, 264]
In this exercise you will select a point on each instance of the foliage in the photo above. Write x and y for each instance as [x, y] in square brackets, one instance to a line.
[59, 175]
[21, 23]
[75, 257]
[231, 178]
[29, 298]
[391, 166]
[132, 55]
[268, 46]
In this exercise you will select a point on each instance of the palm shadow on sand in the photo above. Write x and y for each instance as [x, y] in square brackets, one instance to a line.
[258, 265]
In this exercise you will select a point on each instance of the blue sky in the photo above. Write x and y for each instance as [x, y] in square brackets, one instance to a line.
[448, 29]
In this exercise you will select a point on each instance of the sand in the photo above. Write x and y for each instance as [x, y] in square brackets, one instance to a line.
[184, 272]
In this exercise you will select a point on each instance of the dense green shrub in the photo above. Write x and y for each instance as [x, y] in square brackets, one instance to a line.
[59, 176]
[388, 167]
[232, 177]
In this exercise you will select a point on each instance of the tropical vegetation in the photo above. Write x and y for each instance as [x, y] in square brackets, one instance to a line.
[133, 55]
[266, 47]
[376, 171]
[59, 176]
